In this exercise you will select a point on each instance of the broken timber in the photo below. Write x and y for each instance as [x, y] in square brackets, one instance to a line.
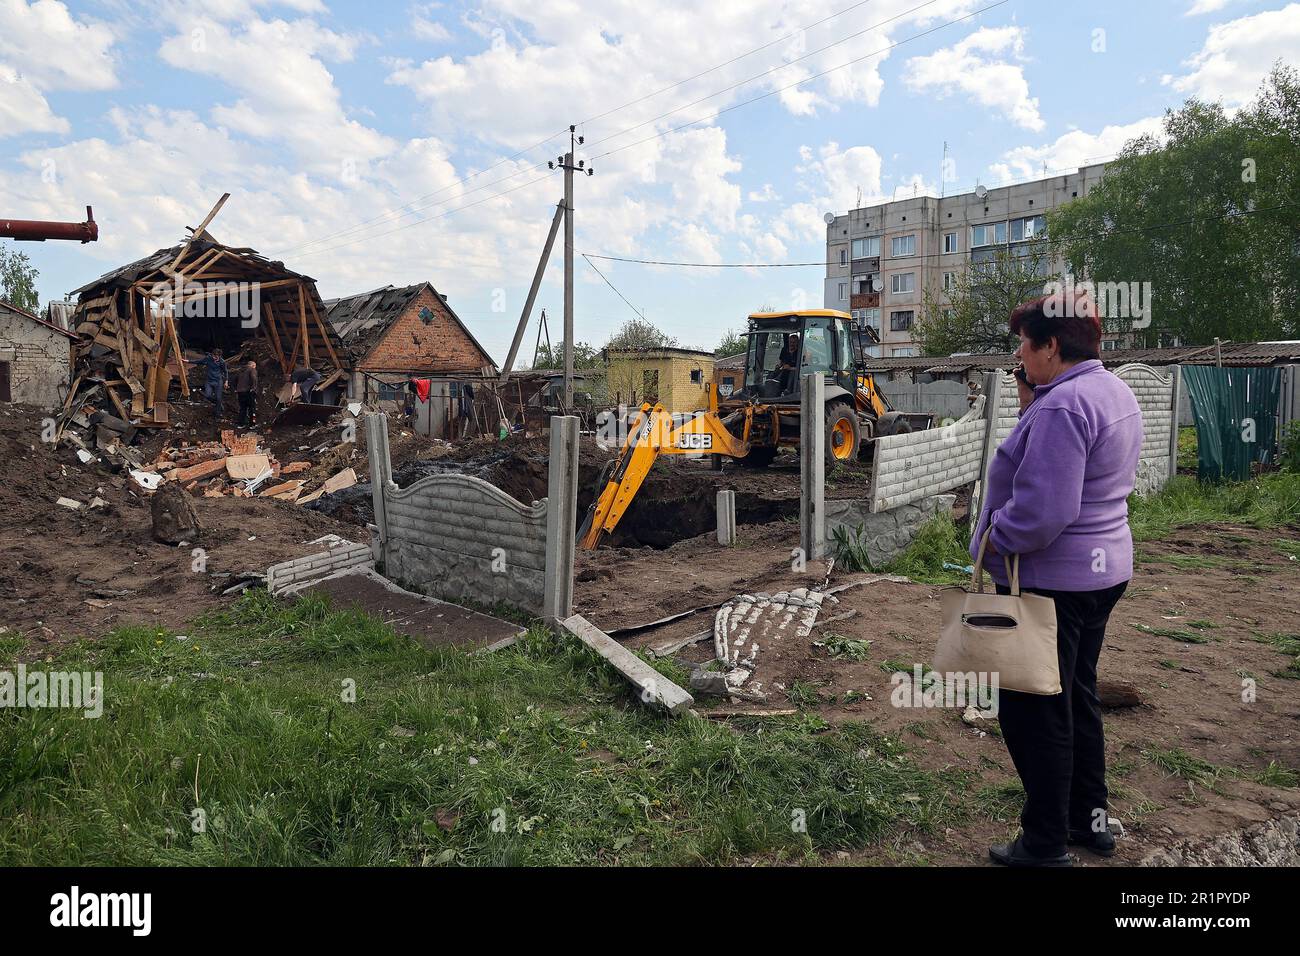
[654, 687]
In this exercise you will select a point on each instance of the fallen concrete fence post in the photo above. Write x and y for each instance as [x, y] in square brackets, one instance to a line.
[654, 687]
[727, 518]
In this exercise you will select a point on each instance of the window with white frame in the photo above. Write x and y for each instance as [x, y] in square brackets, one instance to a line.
[949, 281]
[950, 242]
[866, 248]
[844, 257]
[905, 351]
[903, 282]
[1030, 227]
[988, 234]
[902, 246]
[872, 318]
[844, 291]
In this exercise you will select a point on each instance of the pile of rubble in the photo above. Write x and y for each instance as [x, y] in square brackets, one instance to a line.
[238, 466]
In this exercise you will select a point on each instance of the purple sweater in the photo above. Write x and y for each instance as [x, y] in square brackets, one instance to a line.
[1058, 485]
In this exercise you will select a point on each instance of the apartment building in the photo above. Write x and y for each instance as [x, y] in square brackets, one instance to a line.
[882, 259]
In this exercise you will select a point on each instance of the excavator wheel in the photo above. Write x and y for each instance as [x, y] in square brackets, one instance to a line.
[893, 423]
[842, 437]
[758, 457]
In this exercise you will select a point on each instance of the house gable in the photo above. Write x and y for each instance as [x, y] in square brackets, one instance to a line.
[410, 345]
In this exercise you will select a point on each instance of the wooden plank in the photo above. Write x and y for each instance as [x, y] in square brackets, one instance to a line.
[324, 332]
[180, 356]
[302, 324]
[274, 335]
[244, 467]
[653, 686]
[204, 469]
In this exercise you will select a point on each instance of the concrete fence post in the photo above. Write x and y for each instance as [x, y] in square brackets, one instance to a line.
[561, 519]
[381, 475]
[726, 517]
[1175, 396]
[992, 408]
[812, 467]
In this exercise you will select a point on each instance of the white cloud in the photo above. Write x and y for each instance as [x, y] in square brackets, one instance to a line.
[1076, 148]
[425, 27]
[766, 194]
[1237, 56]
[42, 48]
[977, 66]
[289, 95]
[1199, 7]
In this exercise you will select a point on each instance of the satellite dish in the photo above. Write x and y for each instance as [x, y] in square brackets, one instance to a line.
[829, 217]
[981, 192]
[876, 284]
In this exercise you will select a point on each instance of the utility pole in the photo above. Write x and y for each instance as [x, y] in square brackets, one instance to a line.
[566, 163]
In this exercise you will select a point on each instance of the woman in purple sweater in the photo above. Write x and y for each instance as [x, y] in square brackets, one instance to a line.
[1057, 496]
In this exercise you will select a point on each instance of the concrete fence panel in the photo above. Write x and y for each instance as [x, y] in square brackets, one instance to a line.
[922, 464]
[942, 399]
[1155, 393]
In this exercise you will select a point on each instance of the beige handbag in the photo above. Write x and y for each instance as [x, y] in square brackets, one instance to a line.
[1011, 635]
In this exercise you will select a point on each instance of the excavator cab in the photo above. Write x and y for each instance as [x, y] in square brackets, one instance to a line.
[785, 346]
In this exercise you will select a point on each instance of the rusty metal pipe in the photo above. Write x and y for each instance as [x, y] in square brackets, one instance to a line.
[32, 230]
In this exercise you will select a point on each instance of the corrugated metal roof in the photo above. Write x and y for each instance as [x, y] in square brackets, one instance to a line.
[731, 361]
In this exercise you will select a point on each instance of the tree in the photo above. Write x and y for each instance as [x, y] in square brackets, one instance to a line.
[733, 341]
[1210, 218]
[585, 356]
[18, 279]
[980, 304]
[640, 334]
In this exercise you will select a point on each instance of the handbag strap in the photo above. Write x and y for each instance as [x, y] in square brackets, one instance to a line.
[1012, 566]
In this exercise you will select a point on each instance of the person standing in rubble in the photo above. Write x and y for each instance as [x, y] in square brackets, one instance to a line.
[246, 392]
[305, 377]
[214, 385]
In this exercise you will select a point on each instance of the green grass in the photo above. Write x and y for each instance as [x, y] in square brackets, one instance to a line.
[1288, 644]
[1269, 501]
[538, 754]
[1179, 763]
[1187, 447]
[847, 648]
[937, 541]
[1185, 637]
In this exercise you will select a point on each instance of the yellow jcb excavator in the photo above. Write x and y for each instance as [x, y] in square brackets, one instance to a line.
[750, 425]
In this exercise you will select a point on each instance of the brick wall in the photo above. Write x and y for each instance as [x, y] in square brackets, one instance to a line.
[38, 357]
[411, 346]
[922, 464]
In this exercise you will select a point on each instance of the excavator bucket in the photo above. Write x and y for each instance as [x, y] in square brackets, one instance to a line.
[652, 433]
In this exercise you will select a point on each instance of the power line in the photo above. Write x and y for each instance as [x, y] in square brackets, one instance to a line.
[639, 313]
[1237, 214]
[759, 76]
[734, 59]
[807, 79]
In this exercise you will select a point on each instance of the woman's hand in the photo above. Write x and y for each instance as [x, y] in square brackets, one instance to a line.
[1024, 390]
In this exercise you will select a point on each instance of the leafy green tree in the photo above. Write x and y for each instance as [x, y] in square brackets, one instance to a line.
[733, 341]
[18, 279]
[640, 334]
[585, 356]
[974, 319]
[1210, 217]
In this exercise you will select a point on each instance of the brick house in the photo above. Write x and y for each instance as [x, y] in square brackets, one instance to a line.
[394, 334]
[35, 358]
[676, 378]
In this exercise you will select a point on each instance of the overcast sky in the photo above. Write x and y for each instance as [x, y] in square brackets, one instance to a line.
[380, 143]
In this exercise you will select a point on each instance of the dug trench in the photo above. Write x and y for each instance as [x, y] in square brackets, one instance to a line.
[676, 502]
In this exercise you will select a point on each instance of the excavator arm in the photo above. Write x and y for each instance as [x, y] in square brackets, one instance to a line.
[653, 433]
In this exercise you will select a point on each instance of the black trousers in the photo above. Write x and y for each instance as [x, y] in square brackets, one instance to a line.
[247, 408]
[1057, 742]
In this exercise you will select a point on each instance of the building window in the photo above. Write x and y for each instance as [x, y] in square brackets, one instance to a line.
[390, 391]
[949, 281]
[872, 317]
[697, 376]
[905, 351]
[844, 257]
[844, 291]
[992, 233]
[900, 321]
[864, 284]
[904, 282]
[866, 248]
[1031, 227]
[902, 246]
[950, 242]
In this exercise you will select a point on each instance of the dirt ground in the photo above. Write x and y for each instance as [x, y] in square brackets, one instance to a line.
[66, 573]
[1225, 586]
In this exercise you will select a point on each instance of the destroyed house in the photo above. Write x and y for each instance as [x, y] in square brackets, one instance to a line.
[139, 326]
[395, 334]
[34, 357]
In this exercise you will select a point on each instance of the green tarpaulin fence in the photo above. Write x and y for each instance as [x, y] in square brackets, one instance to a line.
[1236, 418]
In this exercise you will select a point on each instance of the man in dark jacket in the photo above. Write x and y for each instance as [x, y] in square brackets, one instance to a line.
[305, 377]
[214, 385]
[246, 392]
